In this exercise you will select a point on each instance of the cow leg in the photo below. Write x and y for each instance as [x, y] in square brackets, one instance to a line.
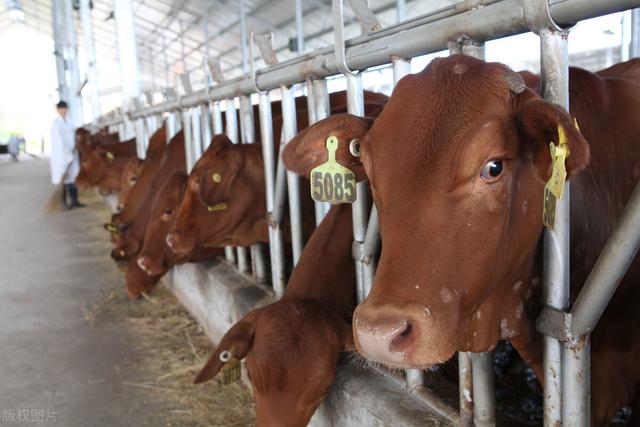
[528, 344]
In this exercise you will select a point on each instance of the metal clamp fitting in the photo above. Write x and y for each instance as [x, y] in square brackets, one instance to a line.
[538, 17]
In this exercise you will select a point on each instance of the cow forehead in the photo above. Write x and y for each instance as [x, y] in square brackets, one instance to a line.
[430, 111]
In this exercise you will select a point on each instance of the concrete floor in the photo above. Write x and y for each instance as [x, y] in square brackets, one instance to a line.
[51, 357]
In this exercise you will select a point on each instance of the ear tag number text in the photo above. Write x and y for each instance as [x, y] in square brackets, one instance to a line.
[230, 371]
[555, 186]
[331, 182]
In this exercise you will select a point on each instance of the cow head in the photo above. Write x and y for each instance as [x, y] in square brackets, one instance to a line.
[457, 162]
[223, 201]
[94, 164]
[290, 350]
[155, 256]
[130, 175]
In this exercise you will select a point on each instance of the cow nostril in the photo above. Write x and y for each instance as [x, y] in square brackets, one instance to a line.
[403, 339]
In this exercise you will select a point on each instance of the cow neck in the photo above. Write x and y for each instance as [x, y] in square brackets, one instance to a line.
[325, 271]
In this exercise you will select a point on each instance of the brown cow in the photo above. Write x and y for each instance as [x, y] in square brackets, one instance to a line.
[131, 235]
[232, 211]
[291, 347]
[128, 179]
[457, 163]
[139, 193]
[155, 257]
[101, 163]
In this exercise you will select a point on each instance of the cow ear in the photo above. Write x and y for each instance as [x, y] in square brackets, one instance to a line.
[538, 122]
[308, 149]
[238, 341]
[221, 140]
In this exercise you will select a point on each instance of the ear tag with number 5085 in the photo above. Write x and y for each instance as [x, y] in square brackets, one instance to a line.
[331, 182]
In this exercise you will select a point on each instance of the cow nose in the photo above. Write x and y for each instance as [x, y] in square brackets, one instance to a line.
[388, 339]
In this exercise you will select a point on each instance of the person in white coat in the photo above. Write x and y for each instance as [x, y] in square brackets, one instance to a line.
[64, 157]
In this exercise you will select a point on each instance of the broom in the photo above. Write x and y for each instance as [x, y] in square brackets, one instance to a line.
[55, 203]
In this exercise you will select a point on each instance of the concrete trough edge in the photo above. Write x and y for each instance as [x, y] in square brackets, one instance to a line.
[217, 296]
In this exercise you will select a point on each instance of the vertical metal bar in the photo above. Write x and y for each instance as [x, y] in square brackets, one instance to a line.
[483, 389]
[634, 46]
[243, 37]
[299, 28]
[59, 37]
[90, 53]
[465, 384]
[71, 55]
[322, 110]
[321, 208]
[216, 116]
[276, 245]
[290, 129]
[188, 138]
[554, 66]
[232, 133]
[183, 49]
[196, 135]
[127, 55]
[401, 10]
[205, 113]
[247, 121]
[355, 106]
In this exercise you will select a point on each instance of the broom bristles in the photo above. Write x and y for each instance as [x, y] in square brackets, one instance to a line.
[55, 203]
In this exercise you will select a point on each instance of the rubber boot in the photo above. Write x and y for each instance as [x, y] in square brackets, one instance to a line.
[65, 192]
[73, 192]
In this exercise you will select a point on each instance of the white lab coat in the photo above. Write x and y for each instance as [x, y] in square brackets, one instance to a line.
[63, 152]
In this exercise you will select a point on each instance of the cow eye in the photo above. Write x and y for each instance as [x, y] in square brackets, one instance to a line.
[134, 179]
[168, 211]
[492, 169]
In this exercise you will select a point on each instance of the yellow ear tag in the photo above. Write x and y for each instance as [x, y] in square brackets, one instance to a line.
[216, 177]
[217, 207]
[230, 371]
[112, 228]
[555, 186]
[110, 156]
[331, 182]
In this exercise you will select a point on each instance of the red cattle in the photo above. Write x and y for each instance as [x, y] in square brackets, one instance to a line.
[457, 163]
[224, 200]
[139, 193]
[131, 234]
[155, 257]
[291, 347]
[128, 180]
[101, 162]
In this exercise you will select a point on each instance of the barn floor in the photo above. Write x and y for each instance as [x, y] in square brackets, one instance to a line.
[73, 350]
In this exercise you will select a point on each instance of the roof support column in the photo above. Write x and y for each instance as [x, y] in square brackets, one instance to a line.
[128, 57]
[92, 74]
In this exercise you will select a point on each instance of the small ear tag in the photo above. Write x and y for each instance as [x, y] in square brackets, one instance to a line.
[230, 371]
[555, 186]
[110, 156]
[217, 207]
[331, 182]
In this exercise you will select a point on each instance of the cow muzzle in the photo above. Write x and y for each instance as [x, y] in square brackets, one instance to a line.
[410, 336]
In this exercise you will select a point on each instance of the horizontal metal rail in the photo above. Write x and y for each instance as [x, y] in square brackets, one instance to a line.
[423, 35]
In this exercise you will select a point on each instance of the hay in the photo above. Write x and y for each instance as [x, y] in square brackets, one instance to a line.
[172, 348]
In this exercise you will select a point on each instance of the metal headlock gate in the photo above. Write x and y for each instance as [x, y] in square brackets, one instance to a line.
[461, 28]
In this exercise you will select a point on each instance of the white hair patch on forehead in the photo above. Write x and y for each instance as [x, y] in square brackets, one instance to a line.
[459, 69]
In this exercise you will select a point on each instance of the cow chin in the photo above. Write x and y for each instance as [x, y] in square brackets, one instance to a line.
[411, 336]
